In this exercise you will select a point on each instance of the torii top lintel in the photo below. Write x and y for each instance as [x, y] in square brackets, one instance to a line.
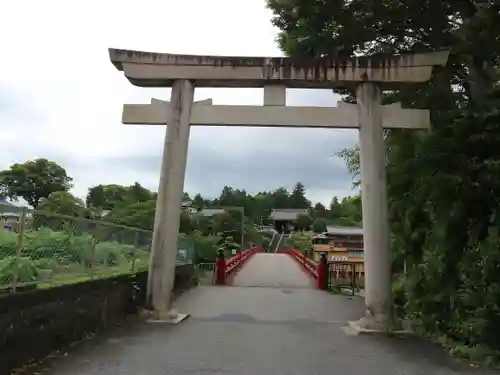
[146, 69]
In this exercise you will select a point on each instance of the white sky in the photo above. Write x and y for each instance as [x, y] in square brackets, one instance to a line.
[61, 98]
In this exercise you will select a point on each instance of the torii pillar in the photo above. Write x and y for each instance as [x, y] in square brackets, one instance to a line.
[367, 75]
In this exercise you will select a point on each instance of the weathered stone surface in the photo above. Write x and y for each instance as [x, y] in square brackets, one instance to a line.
[148, 69]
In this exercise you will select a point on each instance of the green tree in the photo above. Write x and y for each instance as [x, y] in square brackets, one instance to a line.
[109, 197]
[63, 202]
[198, 201]
[33, 180]
[186, 224]
[351, 158]
[442, 186]
[351, 208]
[319, 225]
[303, 222]
[281, 198]
[335, 208]
[137, 193]
[224, 224]
[106, 196]
[298, 198]
[138, 215]
[319, 211]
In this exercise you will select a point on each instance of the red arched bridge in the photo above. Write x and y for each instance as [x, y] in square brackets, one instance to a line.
[254, 267]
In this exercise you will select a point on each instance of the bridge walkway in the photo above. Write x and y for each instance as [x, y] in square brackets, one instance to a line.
[270, 321]
[271, 270]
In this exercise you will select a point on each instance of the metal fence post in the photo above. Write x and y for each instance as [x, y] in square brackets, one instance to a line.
[136, 243]
[20, 235]
[92, 257]
[353, 286]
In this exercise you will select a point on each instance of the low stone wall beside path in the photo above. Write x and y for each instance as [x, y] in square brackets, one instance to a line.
[35, 323]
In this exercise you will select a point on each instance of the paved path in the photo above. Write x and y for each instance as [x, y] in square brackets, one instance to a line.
[238, 330]
[272, 271]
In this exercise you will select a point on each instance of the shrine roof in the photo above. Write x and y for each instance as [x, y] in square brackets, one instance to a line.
[287, 214]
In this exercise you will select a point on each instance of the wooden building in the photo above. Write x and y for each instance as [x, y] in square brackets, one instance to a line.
[284, 219]
[344, 248]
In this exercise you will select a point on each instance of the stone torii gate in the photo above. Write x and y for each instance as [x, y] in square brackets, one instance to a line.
[367, 75]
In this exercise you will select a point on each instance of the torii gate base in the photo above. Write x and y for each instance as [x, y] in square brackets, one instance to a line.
[368, 75]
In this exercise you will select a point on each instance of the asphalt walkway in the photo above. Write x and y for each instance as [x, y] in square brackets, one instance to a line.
[260, 326]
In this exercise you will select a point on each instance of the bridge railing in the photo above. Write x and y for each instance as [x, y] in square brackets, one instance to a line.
[318, 271]
[225, 268]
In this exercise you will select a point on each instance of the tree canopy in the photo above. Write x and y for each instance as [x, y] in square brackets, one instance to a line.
[33, 180]
[443, 185]
[45, 185]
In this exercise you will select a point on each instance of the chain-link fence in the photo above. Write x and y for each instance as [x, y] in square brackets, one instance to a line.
[42, 249]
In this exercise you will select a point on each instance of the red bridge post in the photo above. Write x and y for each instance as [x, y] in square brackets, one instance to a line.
[322, 280]
[220, 268]
[240, 257]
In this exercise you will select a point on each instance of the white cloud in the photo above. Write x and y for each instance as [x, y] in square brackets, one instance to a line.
[61, 98]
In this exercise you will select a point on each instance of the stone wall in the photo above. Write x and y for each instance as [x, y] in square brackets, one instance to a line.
[35, 323]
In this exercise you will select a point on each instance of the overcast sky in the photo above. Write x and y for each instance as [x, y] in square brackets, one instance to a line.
[61, 98]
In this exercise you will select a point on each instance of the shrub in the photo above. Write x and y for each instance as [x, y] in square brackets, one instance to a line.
[8, 244]
[55, 254]
[25, 267]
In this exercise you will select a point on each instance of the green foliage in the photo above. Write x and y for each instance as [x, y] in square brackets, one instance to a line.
[449, 236]
[319, 225]
[59, 242]
[206, 247]
[64, 203]
[298, 197]
[137, 215]
[229, 223]
[108, 197]
[33, 180]
[299, 241]
[24, 267]
[443, 185]
[45, 185]
[304, 222]
[48, 255]
[8, 244]
[351, 158]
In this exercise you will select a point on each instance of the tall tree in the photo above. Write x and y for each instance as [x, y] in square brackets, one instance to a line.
[198, 201]
[298, 197]
[281, 198]
[335, 208]
[319, 211]
[33, 180]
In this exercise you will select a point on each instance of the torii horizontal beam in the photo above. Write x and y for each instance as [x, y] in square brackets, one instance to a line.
[146, 69]
[206, 114]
